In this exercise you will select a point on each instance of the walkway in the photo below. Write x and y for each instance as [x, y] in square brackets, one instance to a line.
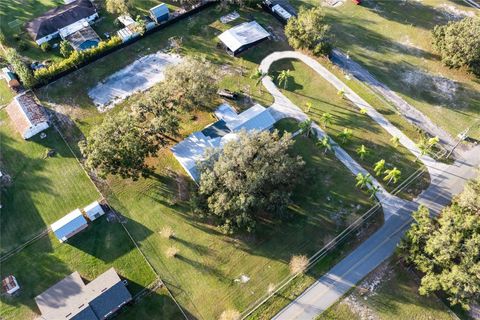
[409, 112]
[446, 181]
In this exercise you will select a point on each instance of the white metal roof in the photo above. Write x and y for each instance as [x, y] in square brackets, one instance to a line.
[72, 28]
[281, 11]
[69, 223]
[93, 207]
[243, 34]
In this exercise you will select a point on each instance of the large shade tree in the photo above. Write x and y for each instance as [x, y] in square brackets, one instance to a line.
[458, 43]
[447, 249]
[191, 85]
[254, 175]
[309, 31]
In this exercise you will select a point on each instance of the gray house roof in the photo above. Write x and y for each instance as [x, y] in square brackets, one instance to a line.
[59, 17]
[71, 299]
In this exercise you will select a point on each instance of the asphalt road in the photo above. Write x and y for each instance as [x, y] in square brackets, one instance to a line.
[446, 181]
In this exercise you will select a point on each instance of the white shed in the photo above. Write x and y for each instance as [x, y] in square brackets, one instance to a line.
[69, 225]
[93, 211]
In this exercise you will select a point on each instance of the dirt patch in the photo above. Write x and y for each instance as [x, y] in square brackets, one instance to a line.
[437, 85]
[451, 12]
[139, 76]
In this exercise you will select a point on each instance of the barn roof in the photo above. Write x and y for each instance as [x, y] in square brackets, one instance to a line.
[25, 112]
[68, 223]
[242, 35]
[59, 17]
[159, 10]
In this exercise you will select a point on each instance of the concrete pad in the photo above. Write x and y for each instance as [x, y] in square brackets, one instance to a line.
[139, 76]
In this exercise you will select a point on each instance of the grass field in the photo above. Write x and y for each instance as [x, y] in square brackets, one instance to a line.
[156, 306]
[42, 189]
[393, 41]
[395, 298]
[305, 85]
[6, 95]
[101, 246]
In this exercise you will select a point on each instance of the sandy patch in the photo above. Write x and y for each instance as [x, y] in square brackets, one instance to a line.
[437, 85]
[451, 12]
[139, 76]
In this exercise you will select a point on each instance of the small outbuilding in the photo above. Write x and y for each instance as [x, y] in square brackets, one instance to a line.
[28, 116]
[94, 211]
[69, 225]
[243, 36]
[11, 79]
[281, 9]
[160, 13]
[10, 285]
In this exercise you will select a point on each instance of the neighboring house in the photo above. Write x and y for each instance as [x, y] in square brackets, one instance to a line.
[131, 30]
[11, 79]
[72, 299]
[93, 211]
[48, 25]
[28, 116]
[192, 150]
[243, 36]
[159, 13]
[69, 225]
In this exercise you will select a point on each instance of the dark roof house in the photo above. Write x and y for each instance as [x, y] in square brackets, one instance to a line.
[53, 20]
[72, 299]
[28, 116]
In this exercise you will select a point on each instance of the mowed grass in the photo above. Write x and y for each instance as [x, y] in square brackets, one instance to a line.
[43, 189]
[101, 246]
[6, 94]
[208, 262]
[306, 86]
[396, 298]
[393, 41]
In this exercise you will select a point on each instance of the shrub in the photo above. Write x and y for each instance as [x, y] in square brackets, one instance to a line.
[167, 232]
[76, 58]
[65, 49]
[45, 46]
[298, 264]
[230, 314]
[20, 68]
[22, 46]
[172, 252]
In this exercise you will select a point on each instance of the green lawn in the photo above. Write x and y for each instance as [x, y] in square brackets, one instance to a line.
[6, 94]
[305, 85]
[396, 298]
[393, 41]
[101, 246]
[156, 306]
[42, 189]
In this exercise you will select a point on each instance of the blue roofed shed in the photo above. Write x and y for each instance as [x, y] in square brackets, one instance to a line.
[159, 13]
[69, 225]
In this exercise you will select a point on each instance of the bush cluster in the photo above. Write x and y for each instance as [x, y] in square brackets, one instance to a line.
[76, 58]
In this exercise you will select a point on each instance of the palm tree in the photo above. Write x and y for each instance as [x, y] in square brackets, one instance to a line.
[362, 151]
[394, 141]
[363, 180]
[325, 144]
[378, 167]
[308, 106]
[373, 191]
[283, 77]
[326, 119]
[426, 145]
[306, 127]
[259, 75]
[341, 92]
[363, 111]
[392, 175]
[345, 135]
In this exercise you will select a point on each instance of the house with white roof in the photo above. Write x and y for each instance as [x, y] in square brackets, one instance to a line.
[93, 211]
[243, 36]
[193, 149]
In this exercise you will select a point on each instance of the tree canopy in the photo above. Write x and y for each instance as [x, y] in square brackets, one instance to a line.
[250, 176]
[21, 69]
[447, 249]
[191, 84]
[117, 6]
[120, 145]
[458, 43]
[309, 31]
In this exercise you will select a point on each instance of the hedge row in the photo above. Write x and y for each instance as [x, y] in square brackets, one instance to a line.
[76, 58]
